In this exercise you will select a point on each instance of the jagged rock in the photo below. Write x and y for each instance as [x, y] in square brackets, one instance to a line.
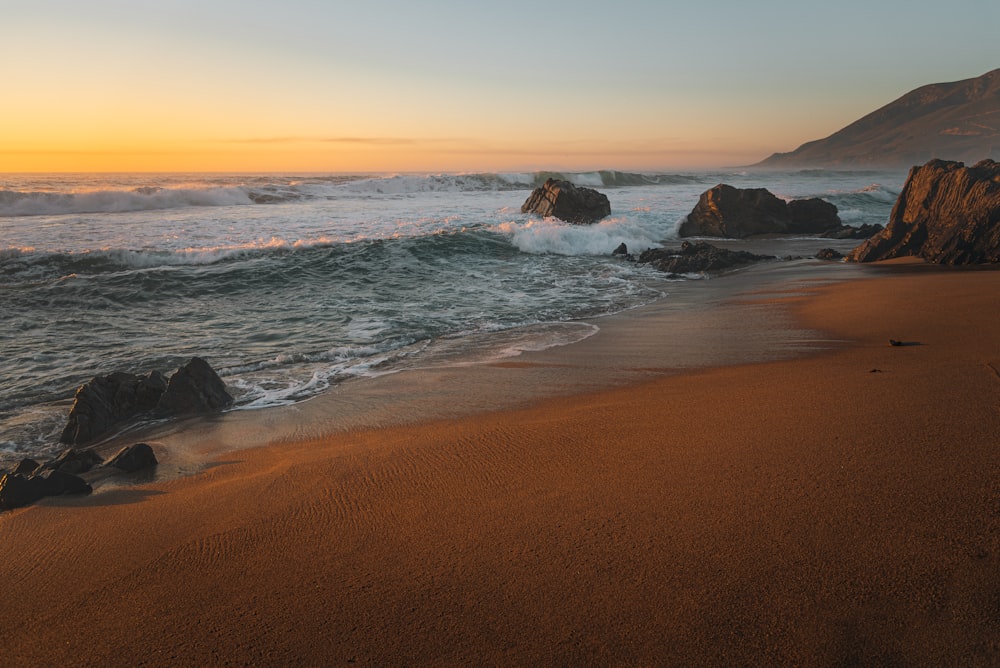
[194, 388]
[736, 213]
[133, 458]
[829, 254]
[947, 213]
[698, 257]
[567, 202]
[109, 400]
[73, 461]
[621, 250]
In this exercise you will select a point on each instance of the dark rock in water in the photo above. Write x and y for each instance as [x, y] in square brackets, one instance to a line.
[73, 461]
[865, 231]
[26, 467]
[947, 213]
[812, 216]
[621, 250]
[133, 458]
[194, 388]
[17, 490]
[565, 201]
[698, 257]
[736, 213]
[109, 400]
[829, 254]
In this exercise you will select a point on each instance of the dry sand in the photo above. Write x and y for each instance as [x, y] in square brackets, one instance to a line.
[838, 509]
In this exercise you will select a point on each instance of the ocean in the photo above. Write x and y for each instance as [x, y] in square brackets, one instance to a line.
[290, 284]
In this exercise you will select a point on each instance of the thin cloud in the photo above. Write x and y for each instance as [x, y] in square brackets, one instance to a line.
[368, 141]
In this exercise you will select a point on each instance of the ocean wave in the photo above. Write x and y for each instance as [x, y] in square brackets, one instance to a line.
[15, 203]
[556, 237]
[114, 196]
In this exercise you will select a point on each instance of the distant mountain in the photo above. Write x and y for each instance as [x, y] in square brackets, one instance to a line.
[952, 121]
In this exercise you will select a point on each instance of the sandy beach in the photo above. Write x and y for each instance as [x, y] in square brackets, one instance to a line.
[838, 508]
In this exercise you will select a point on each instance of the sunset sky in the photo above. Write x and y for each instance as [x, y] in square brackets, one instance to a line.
[304, 85]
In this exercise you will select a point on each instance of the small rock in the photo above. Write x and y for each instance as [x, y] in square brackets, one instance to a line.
[26, 467]
[133, 458]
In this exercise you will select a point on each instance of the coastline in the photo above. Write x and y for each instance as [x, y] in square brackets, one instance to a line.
[799, 510]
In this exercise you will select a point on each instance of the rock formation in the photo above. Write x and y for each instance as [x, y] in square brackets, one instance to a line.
[194, 388]
[736, 213]
[947, 213]
[17, 490]
[565, 201]
[107, 401]
[133, 458]
[698, 257]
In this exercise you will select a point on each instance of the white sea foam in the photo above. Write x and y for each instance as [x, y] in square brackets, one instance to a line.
[553, 236]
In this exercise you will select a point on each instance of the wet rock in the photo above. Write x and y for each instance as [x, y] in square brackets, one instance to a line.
[829, 254]
[736, 213]
[865, 231]
[195, 388]
[565, 201]
[18, 490]
[56, 483]
[133, 458]
[73, 461]
[107, 401]
[698, 257]
[947, 213]
[26, 467]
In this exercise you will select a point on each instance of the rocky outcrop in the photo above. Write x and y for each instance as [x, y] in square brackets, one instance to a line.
[947, 213]
[736, 213]
[565, 201]
[829, 254]
[108, 401]
[699, 257]
[194, 388]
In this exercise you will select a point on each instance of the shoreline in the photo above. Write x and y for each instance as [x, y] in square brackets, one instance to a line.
[808, 510]
[734, 318]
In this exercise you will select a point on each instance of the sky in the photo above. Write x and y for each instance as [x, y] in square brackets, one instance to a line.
[446, 86]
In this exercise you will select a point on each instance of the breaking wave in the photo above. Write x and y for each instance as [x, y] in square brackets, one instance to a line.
[111, 195]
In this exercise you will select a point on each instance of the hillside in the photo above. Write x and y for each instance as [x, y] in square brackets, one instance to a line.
[953, 121]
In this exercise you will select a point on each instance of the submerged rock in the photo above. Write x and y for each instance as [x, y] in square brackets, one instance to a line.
[565, 201]
[829, 254]
[698, 257]
[947, 213]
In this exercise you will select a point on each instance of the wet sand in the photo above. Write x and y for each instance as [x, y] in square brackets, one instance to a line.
[841, 507]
